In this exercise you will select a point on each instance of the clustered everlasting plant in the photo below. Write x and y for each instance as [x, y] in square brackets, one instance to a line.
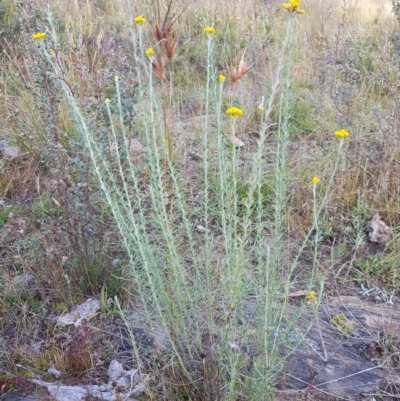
[205, 274]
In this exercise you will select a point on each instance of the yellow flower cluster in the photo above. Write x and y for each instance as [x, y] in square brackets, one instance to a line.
[315, 180]
[260, 107]
[149, 52]
[293, 6]
[106, 100]
[39, 36]
[342, 133]
[234, 111]
[312, 298]
[221, 78]
[140, 20]
[209, 29]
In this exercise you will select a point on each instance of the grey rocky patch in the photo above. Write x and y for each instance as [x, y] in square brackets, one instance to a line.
[12, 151]
[135, 146]
[83, 311]
[54, 372]
[342, 366]
[378, 231]
[15, 396]
[236, 141]
[122, 384]
[3, 144]
[201, 229]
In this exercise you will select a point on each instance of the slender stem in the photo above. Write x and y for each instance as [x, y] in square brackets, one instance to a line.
[210, 46]
[317, 233]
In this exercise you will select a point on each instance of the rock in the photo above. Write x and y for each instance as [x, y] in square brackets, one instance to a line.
[120, 377]
[135, 146]
[201, 229]
[54, 372]
[378, 231]
[3, 144]
[86, 310]
[12, 151]
[16, 396]
[236, 141]
[354, 364]
[136, 149]
[122, 385]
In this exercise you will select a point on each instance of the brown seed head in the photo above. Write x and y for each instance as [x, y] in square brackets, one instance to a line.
[236, 73]
[159, 67]
[170, 46]
[162, 31]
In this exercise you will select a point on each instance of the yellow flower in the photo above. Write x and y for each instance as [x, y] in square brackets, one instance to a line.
[315, 180]
[106, 100]
[116, 77]
[140, 20]
[234, 111]
[221, 78]
[39, 36]
[293, 6]
[312, 298]
[52, 52]
[149, 52]
[261, 107]
[209, 29]
[342, 133]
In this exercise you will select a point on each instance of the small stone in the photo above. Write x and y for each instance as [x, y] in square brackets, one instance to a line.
[12, 151]
[3, 144]
[83, 311]
[201, 229]
[123, 378]
[135, 146]
[125, 382]
[378, 231]
[54, 372]
[236, 141]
